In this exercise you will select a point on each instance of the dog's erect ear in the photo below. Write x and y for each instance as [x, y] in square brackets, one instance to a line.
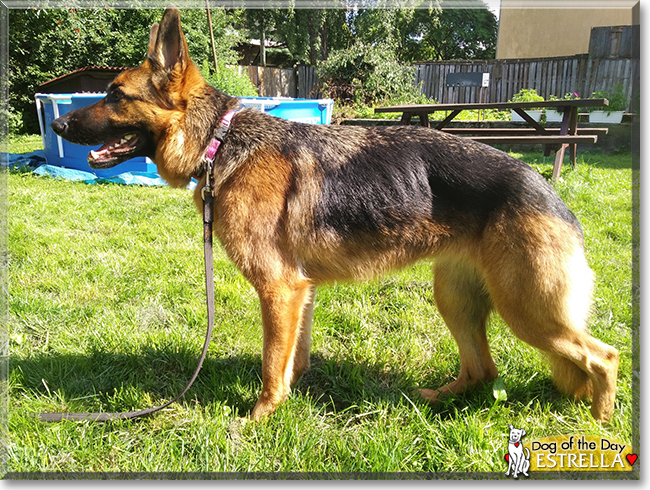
[523, 432]
[511, 426]
[153, 35]
[170, 47]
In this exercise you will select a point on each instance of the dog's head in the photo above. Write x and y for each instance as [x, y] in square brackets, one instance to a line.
[141, 103]
[516, 434]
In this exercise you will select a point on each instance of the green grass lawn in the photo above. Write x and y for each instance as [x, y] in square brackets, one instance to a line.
[106, 313]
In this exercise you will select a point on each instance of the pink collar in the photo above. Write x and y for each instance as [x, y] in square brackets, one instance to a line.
[211, 151]
[215, 143]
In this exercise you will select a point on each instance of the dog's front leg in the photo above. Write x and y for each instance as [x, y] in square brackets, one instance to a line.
[286, 320]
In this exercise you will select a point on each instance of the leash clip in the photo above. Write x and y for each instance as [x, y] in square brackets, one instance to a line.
[207, 188]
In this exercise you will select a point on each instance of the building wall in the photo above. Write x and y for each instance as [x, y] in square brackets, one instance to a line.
[540, 33]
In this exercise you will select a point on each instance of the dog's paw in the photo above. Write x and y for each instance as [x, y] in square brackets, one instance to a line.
[430, 396]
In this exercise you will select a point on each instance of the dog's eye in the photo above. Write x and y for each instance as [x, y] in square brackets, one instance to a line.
[117, 94]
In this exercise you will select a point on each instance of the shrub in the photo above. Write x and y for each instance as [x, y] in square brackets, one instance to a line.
[366, 74]
[616, 97]
[12, 119]
[229, 81]
[527, 95]
[567, 96]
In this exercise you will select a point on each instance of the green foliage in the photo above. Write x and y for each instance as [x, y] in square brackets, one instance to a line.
[366, 74]
[301, 35]
[616, 97]
[465, 34]
[302, 30]
[228, 80]
[12, 119]
[46, 43]
[527, 95]
[197, 34]
[499, 390]
[418, 31]
[429, 33]
[567, 96]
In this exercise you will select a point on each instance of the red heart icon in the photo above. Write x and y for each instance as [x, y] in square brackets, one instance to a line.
[507, 456]
[631, 458]
[516, 444]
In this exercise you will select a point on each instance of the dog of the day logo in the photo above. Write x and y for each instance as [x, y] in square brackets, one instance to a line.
[566, 453]
[518, 456]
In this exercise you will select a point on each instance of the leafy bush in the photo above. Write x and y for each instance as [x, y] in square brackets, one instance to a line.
[527, 95]
[12, 119]
[616, 97]
[366, 74]
[567, 96]
[228, 80]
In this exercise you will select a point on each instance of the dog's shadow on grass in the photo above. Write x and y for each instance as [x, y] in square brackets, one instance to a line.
[108, 381]
[115, 382]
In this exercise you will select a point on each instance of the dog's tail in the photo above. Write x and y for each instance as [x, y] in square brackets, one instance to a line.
[569, 378]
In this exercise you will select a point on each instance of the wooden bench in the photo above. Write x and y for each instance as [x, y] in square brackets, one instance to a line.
[519, 131]
[556, 139]
[551, 142]
[532, 139]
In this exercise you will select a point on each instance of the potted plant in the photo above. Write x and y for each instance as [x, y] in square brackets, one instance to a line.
[527, 95]
[613, 113]
[553, 115]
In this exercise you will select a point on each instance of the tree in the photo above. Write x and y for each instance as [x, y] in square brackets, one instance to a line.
[462, 34]
[300, 31]
[261, 23]
[46, 43]
[429, 32]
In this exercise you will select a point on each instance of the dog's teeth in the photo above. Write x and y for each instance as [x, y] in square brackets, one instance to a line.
[123, 140]
[129, 136]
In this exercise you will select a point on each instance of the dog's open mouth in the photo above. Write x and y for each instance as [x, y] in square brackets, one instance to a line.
[115, 151]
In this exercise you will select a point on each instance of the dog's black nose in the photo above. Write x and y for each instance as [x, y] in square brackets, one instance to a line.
[59, 126]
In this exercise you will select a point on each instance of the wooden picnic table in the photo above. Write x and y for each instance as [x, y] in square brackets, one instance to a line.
[553, 139]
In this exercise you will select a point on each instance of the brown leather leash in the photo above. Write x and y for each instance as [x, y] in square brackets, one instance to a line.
[207, 193]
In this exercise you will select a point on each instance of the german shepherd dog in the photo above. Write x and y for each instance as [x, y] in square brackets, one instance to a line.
[298, 205]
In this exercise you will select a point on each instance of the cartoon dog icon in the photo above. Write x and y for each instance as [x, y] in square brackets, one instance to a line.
[517, 461]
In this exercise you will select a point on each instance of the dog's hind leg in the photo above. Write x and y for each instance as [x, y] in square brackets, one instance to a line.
[540, 283]
[286, 321]
[464, 304]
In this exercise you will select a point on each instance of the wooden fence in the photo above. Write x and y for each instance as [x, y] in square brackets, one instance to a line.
[271, 82]
[549, 76]
[581, 74]
[307, 82]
